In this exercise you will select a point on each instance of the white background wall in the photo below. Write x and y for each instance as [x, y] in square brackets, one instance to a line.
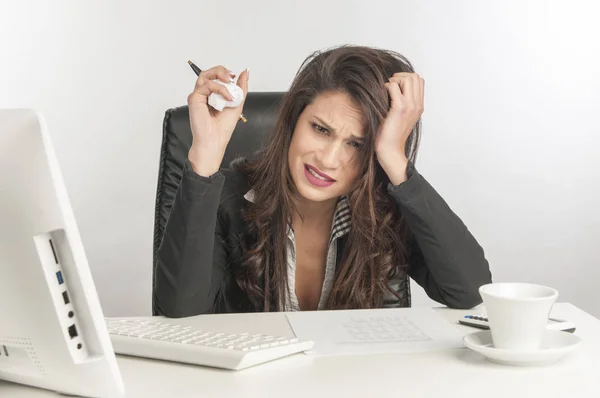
[511, 132]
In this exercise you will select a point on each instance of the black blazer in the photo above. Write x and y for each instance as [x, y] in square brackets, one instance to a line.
[200, 247]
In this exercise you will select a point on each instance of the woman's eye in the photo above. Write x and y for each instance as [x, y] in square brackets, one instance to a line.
[355, 144]
[320, 129]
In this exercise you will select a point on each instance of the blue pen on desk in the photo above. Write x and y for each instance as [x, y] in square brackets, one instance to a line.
[197, 72]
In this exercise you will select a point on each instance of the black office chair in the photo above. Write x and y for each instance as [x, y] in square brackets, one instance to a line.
[260, 109]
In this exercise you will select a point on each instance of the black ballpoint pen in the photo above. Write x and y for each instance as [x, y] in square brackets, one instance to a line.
[197, 72]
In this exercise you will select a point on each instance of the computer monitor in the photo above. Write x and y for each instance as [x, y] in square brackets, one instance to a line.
[52, 329]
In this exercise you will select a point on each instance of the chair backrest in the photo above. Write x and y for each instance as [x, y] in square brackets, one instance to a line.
[260, 109]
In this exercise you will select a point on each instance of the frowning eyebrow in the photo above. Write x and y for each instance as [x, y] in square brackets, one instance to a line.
[334, 131]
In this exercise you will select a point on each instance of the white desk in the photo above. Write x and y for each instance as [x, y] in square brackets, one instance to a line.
[454, 373]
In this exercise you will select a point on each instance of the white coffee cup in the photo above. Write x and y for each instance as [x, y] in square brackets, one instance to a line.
[517, 313]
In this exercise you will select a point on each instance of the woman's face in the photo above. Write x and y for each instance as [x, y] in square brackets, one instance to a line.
[323, 153]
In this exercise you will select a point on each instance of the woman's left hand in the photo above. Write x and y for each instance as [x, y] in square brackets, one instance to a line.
[407, 102]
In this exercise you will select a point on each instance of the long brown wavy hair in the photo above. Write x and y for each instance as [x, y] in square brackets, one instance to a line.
[375, 251]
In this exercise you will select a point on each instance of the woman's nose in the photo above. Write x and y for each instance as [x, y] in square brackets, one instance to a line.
[331, 155]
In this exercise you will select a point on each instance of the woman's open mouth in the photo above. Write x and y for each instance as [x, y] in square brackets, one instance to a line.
[316, 177]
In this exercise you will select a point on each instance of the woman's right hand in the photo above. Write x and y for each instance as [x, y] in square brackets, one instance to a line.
[212, 129]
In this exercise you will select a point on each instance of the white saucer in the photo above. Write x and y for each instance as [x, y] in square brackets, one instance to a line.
[555, 345]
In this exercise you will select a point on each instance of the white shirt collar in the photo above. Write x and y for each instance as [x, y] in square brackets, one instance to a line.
[341, 219]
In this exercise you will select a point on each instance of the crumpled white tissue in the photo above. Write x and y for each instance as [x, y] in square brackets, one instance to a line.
[218, 102]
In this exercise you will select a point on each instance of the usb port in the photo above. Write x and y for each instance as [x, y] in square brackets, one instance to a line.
[72, 331]
[66, 297]
[60, 278]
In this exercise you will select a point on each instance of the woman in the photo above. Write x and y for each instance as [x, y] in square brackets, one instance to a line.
[331, 215]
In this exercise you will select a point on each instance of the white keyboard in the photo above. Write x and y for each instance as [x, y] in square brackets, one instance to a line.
[180, 343]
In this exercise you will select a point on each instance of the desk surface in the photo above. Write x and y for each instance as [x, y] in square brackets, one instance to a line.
[452, 373]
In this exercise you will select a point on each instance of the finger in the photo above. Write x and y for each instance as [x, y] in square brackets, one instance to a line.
[417, 88]
[406, 83]
[217, 72]
[213, 87]
[422, 92]
[395, 94]
[402, 76]
[418, 93]
[243, 81]
[411, 85]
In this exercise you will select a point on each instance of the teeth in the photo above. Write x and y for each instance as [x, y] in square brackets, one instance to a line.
[311, 171]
